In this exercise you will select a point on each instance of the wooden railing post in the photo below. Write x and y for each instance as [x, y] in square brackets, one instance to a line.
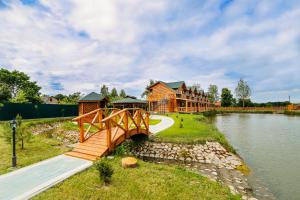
[108, 133]
[81, 128]
[100, 119]
[126, 124]
[138, 120]
[147, 121]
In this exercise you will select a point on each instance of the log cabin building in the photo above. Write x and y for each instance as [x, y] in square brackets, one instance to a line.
[176, 97]
[91, 102]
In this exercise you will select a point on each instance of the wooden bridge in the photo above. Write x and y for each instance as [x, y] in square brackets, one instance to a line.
[103, 129]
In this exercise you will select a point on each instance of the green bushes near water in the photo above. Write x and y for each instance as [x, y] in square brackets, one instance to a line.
[293, 113]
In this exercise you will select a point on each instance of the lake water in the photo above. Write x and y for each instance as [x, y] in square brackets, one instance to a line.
[270, 145]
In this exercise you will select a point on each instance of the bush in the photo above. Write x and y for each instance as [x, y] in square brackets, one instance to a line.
[129, 145]
[105, 170]
[210, 113]
[181, 125]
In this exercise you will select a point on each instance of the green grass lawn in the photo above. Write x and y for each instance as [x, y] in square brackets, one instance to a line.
[194, 129]
[38, 148]
[147, 181]
[154, 121]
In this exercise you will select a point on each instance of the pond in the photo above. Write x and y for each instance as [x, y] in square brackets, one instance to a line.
[270, 145]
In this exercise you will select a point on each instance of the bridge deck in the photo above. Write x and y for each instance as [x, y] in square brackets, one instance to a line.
[95, 146]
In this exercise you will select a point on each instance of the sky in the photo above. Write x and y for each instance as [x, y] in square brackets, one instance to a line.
[75, 45]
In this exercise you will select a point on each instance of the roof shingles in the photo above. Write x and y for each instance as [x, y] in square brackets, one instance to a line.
[93, 96]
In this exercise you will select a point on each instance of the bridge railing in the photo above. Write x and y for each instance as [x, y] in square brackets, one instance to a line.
[126, 119]
[91, 123]
[112, 120]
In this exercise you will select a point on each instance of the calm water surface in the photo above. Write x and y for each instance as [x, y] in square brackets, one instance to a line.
[270, 145]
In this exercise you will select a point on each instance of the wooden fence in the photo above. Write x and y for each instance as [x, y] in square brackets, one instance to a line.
[269, 108]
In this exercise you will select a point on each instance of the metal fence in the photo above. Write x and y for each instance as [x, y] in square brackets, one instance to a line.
[9, 111]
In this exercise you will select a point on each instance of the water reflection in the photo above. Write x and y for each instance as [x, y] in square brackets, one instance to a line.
[270, 144]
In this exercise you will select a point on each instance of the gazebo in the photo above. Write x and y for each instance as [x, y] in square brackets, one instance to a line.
[129, 102]
[92, 102]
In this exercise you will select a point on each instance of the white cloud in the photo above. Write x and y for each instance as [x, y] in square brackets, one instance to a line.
[126, 43]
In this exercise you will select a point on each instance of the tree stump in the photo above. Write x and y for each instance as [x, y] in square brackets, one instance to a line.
[129, 162]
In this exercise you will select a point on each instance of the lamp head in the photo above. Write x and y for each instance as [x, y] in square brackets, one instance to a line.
[13, 123]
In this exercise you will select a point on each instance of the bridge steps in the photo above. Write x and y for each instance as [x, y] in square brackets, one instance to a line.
[94, 147]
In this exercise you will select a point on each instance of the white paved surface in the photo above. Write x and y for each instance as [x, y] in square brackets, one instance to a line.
[29, 181]
[165, 123]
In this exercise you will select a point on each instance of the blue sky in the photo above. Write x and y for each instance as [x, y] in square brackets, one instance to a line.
[68, 46]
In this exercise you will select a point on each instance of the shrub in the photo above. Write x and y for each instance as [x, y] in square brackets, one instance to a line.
[210, 113]
[105, 170]
[181, 125]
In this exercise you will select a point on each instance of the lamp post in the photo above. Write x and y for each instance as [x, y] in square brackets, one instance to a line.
[14, 157]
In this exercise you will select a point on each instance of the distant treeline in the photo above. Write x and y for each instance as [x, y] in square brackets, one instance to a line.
[271, 104]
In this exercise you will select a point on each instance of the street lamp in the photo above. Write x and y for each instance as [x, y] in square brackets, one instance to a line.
[13, 124]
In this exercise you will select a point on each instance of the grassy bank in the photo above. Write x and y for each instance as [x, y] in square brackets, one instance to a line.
[154, 121]
[190, 128]
[37, 149]
[292, 113]
[148, 181]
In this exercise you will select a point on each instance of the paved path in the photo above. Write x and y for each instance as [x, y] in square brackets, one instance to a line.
[165, 123]
[26, 182]
[29, 181]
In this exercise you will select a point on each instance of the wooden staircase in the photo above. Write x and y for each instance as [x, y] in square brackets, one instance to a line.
[112, 128]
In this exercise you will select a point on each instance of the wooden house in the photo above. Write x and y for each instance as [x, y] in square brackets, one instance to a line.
[176, 97]
[91, 102]
[129, 102]
[49, 99]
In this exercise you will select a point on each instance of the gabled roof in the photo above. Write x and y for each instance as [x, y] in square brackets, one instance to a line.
[93, 96]
[171, 85]
[174, 85]
[129, 100]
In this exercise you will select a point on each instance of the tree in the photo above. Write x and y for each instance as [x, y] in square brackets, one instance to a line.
[146, 92]
[122, 93]
[246, 102]
[226, 97]
[15, 81]
[74, 98]
[20, 98]
[114, 92]
[213, 94]
[22, 134]
[104, 91]
[243, 91]
[59, 97]
[71, 99]
[5, 94]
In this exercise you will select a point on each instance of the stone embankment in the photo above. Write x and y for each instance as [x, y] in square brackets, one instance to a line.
[210, 159]
[209, 153]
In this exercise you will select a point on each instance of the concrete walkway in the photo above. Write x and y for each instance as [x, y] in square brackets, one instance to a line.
[29, 181]
[165, 123]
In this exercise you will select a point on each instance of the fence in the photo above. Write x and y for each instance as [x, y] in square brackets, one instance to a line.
[271, 108]
[9, 111]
